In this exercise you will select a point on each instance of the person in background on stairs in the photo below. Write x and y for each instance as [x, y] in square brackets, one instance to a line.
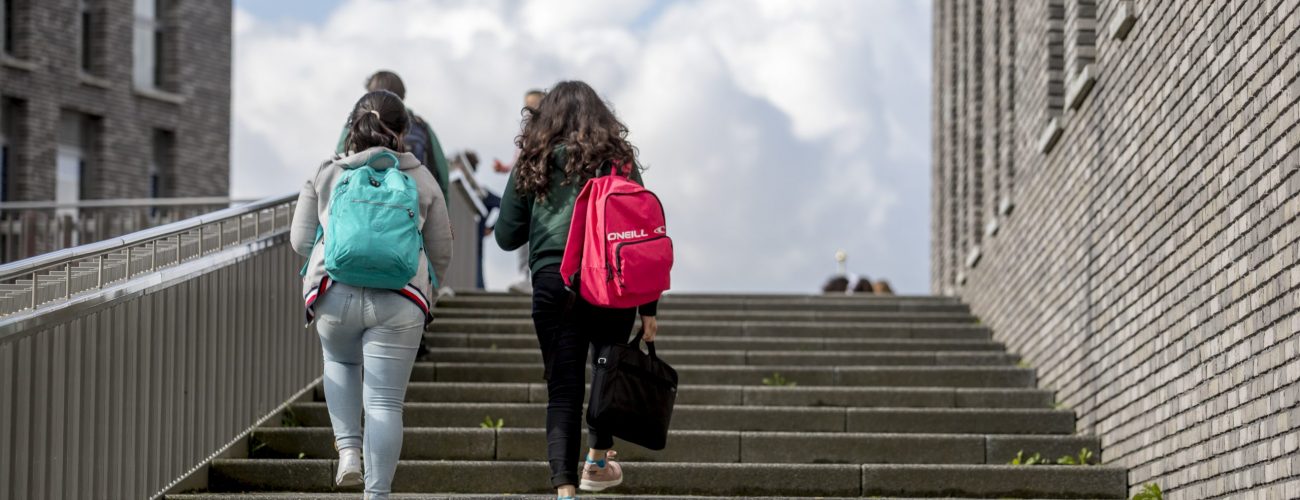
[531, 99]
[369, 335]
[565, 142]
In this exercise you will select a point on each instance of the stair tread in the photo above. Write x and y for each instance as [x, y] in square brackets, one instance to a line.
[708, 478]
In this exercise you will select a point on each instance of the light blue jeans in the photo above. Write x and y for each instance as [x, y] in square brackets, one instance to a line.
[370, 338]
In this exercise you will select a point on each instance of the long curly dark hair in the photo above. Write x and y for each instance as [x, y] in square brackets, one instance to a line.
[574, 116]
[379, 119]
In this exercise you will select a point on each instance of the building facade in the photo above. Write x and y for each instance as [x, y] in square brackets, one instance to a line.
[1116, 190]
[105, 99]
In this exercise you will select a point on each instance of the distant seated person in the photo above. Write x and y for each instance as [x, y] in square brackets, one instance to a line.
[419, 140]
[882, 288]
[863, 286]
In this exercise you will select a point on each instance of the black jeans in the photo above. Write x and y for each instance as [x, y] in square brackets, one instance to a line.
[565, 335]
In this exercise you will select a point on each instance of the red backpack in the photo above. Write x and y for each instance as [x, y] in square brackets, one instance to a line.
[618, 254]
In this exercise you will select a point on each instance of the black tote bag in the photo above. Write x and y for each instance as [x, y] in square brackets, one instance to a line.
[632, 394]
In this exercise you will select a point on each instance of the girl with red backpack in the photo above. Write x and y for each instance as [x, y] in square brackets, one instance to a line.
[571, 137]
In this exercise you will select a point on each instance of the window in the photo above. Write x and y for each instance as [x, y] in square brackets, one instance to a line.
[1081, 47]
[1081, 36]
[1055, 57]
[161, 164]
[6, 31]
[91, 49]
[1055, 76]
[9, 25]
[77, 136]
[9, 117]
[151, 44]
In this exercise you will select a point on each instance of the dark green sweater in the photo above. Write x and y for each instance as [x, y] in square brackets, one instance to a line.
[543, 225]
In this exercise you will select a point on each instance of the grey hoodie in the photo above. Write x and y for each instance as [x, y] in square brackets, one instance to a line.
[313, 210]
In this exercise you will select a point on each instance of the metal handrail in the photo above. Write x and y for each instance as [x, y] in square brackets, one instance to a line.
[122, 203]
[147, 240]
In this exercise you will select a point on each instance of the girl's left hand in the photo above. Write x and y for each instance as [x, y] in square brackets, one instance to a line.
[651, 327]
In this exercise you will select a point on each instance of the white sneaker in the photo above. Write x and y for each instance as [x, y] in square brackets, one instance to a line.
[349, 468]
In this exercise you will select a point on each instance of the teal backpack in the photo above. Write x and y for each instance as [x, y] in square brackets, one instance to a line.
[373, 237]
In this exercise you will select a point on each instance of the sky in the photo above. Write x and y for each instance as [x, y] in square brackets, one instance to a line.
[774, 131]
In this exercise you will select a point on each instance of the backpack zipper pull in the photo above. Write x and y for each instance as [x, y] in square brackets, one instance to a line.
[410, 213]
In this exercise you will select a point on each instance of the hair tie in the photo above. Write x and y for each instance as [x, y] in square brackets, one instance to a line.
[376, 113]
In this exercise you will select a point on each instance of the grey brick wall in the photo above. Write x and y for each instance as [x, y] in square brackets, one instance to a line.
[1150, 268]
[47, 77]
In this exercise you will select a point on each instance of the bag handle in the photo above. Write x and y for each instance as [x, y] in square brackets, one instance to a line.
[650, 346]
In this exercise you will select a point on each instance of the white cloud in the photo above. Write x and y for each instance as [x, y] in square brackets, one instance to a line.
[775, 131]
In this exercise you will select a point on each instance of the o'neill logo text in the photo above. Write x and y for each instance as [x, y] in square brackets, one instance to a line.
[635, 233]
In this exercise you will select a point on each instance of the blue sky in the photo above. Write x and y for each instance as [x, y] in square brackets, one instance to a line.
[775, 131]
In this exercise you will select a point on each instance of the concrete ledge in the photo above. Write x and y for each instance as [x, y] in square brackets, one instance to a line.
[995, 481]
[417, 443]
[425, 443]
[711, 343]
[749, 329]
[678, 302]
[1050, 136]
[866, 376]
[861, 448]
[748, 418]
[747, 358]
[737, 315]
[1080, 87]
[701, 479]
[1001, 449]
[747, 395]
[683, 446]
[456, 496]
[991, 421]
[1124, 18]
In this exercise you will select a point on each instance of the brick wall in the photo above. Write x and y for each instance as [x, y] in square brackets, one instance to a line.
[47, 77]
[1150, 267]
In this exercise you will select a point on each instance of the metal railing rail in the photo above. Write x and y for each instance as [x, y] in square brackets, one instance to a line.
[30, 228]
[58, 276]
[128, 364]
[122, 203]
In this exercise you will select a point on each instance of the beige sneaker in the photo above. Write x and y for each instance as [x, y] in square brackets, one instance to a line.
[597, 476]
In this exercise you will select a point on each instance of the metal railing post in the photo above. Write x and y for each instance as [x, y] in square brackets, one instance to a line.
[67, 281]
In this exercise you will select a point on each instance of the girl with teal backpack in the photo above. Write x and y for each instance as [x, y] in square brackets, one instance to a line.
[374, 227]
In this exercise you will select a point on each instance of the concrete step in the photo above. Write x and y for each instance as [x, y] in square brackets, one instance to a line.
[494, 477]
[750, 329]
[737, 315]
[696, 446]
[907, 376]
[735, 395]
[747, 418]
[749, 358]
[461, 496]
[844, 304]
[529, 341]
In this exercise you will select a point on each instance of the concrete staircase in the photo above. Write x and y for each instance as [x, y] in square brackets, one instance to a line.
[899, 396]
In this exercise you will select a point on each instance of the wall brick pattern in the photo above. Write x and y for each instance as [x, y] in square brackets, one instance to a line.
[1150, 268]
[48, 79]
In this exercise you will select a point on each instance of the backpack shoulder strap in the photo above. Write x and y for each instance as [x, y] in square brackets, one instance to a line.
[573, 246]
